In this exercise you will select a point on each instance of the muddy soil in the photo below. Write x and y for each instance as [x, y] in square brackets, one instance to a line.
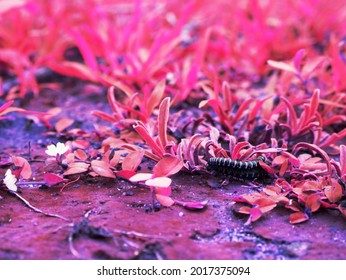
[112, 219]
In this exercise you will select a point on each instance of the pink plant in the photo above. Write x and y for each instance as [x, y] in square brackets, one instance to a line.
[258, 78]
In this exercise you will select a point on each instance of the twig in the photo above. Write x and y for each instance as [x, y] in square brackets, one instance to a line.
[77, 230]
[27, 203]
[84, 229]
[69, 183]
[71, 246]
[137, 235]
[70, 239]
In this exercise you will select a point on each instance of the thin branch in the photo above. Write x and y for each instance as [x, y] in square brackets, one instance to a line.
[137, 235]
[69, 183]
[71, 246]
[27, 203]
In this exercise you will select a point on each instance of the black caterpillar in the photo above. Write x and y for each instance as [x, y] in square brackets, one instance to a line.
[237, 169]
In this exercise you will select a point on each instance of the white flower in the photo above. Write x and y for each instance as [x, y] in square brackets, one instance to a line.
[59, 149]
[10, 181]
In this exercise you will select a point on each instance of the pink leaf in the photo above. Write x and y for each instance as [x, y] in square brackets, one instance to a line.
[282, 66]
[265, 204]
[311, 186]
[52, 179]
[283, 167]
[63, 123]
[247, 198]
[298, 217]
[343, 160]
[8, 5]
[279, 160]
[272, 190]
[209, 102]
[328, 205]
[140, 177]
[270, 150]
[74, 69]
[291, 115]
[255, 214]
[192, 205]
[294, 160]
[244, 210]
[312, 202]
[85, 49]
[80, 154]
[132, 160]
[162, 121]
[266, 167]
[43, 117]
[164, 200]
[125, 174]
[102, 168]
[238, 147]
[26, 172]
[333, 138]
[297, 60]
[167, 167]
[103, 116]
[156, 96]
[159, 182]
[5, 106]
[144, 133]
[76, 168]
[311, 65]
[317, 149]
[241, 109]
[164, 191]
[81, 144]
[334, 192]
[315, 101]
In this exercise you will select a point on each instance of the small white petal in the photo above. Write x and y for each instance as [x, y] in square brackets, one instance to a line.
[10, 181]
[51, 150]
[61, 148]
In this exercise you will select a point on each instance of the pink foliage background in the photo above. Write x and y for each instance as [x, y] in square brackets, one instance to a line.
[140, 42]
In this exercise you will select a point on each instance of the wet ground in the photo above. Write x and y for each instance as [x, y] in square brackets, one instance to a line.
[112, 219]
